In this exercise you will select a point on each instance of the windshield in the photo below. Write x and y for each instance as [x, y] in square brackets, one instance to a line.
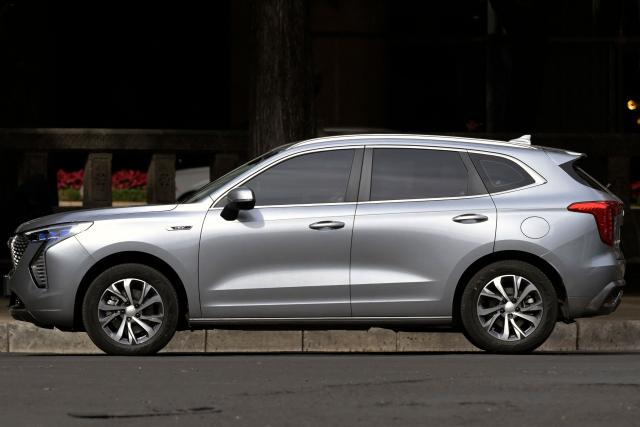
[213, 186]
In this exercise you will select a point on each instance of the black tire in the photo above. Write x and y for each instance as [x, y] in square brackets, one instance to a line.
[546, 298]
[161, 287]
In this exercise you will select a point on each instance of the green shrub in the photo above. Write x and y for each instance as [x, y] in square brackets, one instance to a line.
[129, 194]
[69, 194]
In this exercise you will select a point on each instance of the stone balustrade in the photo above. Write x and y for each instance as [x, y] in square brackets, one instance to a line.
[30, 150]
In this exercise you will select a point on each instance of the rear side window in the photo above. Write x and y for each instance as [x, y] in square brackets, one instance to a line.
[405, 173]
[500, 174]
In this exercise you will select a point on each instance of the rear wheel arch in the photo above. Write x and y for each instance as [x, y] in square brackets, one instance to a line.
[527, 257]
[128, 258]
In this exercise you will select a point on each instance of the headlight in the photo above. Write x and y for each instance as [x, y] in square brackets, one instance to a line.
[57, 232]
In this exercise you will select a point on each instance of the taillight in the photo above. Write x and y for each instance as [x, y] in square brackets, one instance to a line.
[604, 213]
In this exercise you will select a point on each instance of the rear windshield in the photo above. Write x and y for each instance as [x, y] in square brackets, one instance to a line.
[574, 170]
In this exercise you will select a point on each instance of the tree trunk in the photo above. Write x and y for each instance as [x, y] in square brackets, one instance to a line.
[281, 97]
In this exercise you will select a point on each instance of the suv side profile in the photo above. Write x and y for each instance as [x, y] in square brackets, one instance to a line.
[499, 239]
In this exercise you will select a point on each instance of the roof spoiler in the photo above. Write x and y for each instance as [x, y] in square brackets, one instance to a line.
[559, 156]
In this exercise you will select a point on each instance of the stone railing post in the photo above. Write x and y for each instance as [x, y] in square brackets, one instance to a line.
[161, 179]
[97, 181]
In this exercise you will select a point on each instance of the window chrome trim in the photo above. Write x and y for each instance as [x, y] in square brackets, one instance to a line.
[432, 199]
[299, 205]
[277, 162]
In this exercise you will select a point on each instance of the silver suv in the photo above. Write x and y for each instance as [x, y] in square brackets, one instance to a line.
[498, 239]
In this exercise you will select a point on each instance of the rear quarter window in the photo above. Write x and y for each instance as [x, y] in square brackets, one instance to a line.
[500, 174]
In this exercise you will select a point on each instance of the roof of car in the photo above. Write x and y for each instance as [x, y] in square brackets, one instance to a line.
[372, 139]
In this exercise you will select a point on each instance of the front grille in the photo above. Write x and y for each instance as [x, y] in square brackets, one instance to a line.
[17, 245]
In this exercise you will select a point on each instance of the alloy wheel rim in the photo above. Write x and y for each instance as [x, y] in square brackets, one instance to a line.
[130, 311]
[510, 307]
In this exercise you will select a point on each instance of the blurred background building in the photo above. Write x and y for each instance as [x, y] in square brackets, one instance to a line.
[106, 86]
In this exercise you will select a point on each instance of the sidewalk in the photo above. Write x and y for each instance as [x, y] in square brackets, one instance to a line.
[618, 332]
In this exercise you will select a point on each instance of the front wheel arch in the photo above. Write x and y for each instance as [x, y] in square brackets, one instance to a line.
[131, 257]
[534, 260]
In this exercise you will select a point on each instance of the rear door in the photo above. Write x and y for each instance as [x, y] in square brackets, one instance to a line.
[423, 216]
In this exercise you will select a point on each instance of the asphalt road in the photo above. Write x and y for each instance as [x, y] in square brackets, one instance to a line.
[334, 390]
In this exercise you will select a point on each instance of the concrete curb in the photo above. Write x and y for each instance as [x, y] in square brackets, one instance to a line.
[584, 335]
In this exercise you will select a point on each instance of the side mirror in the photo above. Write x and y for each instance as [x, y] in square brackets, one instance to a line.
[241, 198]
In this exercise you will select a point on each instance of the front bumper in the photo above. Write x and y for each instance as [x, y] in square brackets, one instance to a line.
[54, 305]
[19, 312]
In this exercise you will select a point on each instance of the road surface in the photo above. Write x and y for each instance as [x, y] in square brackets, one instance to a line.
[321, 390]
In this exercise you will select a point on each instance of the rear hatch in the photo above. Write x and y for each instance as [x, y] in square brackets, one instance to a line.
[608, 211]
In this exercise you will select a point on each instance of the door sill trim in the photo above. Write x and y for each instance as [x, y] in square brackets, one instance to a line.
[427, 320]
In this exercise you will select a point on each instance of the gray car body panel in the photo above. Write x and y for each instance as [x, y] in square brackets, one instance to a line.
[393, 271]
[391, 260]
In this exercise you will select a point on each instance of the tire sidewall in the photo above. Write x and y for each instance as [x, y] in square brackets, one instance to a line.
[106, 279]
[468, 308]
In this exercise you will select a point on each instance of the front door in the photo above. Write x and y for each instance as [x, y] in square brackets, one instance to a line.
[289, 256]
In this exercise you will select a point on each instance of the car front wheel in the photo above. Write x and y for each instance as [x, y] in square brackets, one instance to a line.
[130, 309]
[509, 307]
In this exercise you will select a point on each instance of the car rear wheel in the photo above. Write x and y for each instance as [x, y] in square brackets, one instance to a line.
[130, 309]
[509, 307]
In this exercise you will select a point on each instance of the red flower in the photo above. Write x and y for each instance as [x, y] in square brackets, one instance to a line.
[128, 179]
[70, 179]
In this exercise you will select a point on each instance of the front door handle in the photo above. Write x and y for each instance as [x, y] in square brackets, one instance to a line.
[326, 225]
[470, 218]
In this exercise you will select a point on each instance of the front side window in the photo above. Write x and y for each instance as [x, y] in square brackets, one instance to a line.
[500, 174]
[320, 177]
[403, 173]
[205, 192]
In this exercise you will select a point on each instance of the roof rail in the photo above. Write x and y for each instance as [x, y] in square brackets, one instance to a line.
[523, 141]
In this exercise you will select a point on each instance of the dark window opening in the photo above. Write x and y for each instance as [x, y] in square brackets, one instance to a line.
[500, 174]
[399, 174]
[320, 177]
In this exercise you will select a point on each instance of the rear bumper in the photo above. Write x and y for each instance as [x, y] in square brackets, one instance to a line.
[605, 302]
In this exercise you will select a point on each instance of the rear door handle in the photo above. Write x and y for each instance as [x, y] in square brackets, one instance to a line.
[326, 225]
[470, 218]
